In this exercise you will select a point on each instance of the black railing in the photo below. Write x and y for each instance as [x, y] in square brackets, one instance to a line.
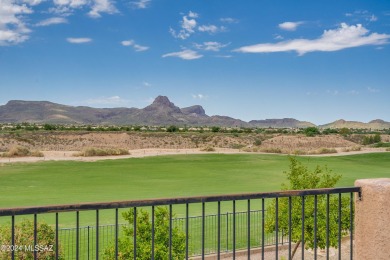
[275, 200]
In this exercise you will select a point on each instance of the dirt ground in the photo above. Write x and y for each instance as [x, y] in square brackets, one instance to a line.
[63, 145]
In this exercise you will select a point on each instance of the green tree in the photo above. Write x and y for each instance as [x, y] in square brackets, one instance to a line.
[215, 129]
[144, 237]
[300, 177]
[311, 131]
[172, 128]
[24, 237]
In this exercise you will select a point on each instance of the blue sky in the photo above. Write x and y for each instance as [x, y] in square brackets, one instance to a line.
[317, 61]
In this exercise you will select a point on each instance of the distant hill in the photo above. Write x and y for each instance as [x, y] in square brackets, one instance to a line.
[281, 123]
[374, 124]
[161, 112]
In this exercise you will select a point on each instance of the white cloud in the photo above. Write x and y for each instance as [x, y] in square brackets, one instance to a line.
[33, 2]
[135, 46]
[331, 40]
[146, 84]
[211, 28]
[199, 96]
[228, 20]
[102, 6]
[78, 40]
[140, 4]
[210, 46]
[114, 100]
[193, 14]
[187, 24]
[373, 90]
[278, 37]
[13, 29]
[51, 21]
[184, 54]
[97, 7]
[289, 26]
[373, 18]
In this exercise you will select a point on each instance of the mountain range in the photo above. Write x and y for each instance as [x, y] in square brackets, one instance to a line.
[161, 112]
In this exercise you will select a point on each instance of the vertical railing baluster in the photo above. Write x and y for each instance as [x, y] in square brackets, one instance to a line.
[35, 235]
[351, 225]
[97, 235]
[203, 228]
[249, 229]
[154, 234]
[277, 227]
[339, 223]
[219, 231]
[187, 230]
[13, 236]
[234, 229]
[262, 229]
[116, 233]
[57, 245]
[315, 227]
[289, 227]
[327, 226]
[77, 234]
[170, 231]
[303, 227]
[135, 233]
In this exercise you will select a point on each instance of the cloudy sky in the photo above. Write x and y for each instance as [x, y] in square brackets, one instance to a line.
[317, 61]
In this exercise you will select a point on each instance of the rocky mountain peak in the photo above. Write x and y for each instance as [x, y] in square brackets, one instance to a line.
[197, 110]
[163, 103]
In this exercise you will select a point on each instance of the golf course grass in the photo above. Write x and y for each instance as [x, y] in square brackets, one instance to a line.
[69, 182]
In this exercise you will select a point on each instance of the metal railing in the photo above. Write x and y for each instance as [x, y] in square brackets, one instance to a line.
[67, 236]
[302, 196]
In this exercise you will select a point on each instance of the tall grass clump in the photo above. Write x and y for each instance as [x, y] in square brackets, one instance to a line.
[91, 151]
[20, 151]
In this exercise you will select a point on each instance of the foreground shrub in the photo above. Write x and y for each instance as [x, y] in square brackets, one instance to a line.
[300, 177]
[87, 152]
[20, 151]
[24, 239]
[144, 237]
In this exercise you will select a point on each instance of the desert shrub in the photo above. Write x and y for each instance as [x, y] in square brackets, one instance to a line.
[299, 152]
[257, 142]
[24, 236]
[381, 144]
[208, 149]
[20, 151]
[87, 152]
[324, 151]
[388, 149]
[352, 149]
[144, 237]
[237, 146]
[271, 150]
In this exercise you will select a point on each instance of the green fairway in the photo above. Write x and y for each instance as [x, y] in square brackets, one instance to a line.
[46, 183]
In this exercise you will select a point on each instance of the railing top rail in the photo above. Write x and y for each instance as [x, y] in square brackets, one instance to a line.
[170, 201]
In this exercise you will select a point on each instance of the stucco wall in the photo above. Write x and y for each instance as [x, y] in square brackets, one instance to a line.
[372, 220]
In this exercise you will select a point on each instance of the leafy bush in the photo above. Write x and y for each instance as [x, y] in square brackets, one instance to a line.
[369, 139]
[87, 152]
[172, 128]
[144, 237]
[24, 236]
[311, 131]
[300, 178]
